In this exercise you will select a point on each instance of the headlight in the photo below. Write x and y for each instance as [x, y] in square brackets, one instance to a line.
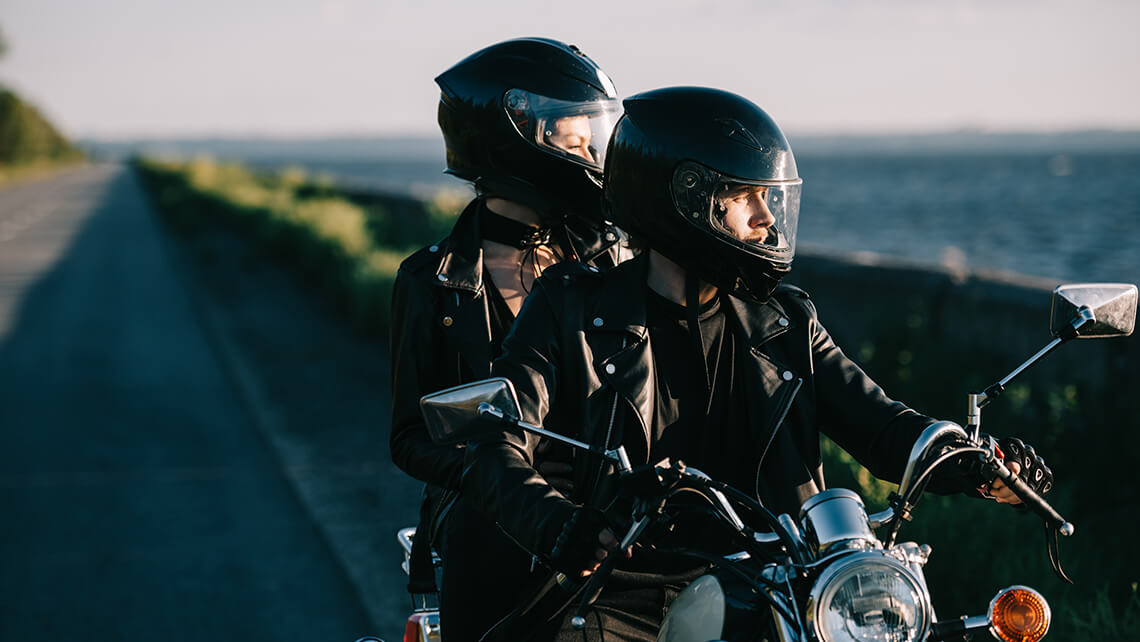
[868, 596]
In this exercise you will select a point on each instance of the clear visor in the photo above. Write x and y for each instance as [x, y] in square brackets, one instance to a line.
[576, 131]
[759, 216]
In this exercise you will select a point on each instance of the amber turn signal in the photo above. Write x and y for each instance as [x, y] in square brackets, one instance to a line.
[1019, 614]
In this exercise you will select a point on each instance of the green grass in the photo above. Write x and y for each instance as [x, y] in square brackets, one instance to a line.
[348, 245]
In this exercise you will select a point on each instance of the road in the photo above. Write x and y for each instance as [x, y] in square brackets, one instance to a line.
[167, 469]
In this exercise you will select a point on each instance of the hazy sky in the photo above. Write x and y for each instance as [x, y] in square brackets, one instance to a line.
[112, 68]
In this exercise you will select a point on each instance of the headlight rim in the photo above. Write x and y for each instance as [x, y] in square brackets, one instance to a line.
[852, 561]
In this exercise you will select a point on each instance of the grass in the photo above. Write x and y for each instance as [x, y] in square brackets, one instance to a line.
[349, 246]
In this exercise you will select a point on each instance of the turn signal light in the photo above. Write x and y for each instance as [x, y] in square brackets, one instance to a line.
[1019, 614]
[422, 627]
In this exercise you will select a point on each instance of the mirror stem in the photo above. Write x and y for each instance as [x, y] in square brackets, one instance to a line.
[617, 455]
[980, 400]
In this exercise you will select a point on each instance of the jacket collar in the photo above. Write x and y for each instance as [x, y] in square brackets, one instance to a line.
[621, 303]
[763, 322]
[461, 266]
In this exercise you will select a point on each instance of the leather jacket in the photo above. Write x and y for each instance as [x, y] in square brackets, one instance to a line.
[581, 361]
[441, 336]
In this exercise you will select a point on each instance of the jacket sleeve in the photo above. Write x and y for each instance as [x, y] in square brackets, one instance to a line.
[856, 413]
[419, 366]
[499, 475]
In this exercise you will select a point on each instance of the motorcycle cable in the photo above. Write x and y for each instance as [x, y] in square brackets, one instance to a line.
[747, 530]
[788, 541]
[904, 505]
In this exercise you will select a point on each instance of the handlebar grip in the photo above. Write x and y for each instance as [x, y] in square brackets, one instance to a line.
[1035, 502]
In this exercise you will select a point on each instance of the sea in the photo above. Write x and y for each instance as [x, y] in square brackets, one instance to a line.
[1060, 207]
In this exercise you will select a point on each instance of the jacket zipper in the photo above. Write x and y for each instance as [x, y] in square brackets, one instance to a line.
[772, 434]
[609, 429]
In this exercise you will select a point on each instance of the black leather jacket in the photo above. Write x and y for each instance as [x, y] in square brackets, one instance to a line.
[441, 336]
[581, 360]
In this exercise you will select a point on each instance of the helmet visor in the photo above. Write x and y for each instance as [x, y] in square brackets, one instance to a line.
[759, 216]
[576, 131]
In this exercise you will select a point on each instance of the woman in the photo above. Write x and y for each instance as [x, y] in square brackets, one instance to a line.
[525, 121]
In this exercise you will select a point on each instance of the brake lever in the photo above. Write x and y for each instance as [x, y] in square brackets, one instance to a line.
[597, 581]
[1055, 525]
[1053, 547]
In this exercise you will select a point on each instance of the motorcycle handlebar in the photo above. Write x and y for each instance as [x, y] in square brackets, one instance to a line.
[1033, 501]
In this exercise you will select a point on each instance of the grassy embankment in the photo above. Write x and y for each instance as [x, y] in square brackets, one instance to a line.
[350, 246]
[29, 144]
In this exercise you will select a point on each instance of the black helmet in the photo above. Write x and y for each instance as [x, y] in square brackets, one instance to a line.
[529, 120]
[683, 163]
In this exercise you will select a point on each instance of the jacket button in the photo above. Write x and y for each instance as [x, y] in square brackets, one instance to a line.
[783, 322]
[788, 376]
[434, 248]
[598, 322]
[610, 368]
[442, 277]
[447, 321]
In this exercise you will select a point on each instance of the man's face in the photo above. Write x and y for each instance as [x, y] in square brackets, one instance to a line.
[572, 134]
[745, 214]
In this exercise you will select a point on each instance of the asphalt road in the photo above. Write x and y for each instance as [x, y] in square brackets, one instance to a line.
[166, 470]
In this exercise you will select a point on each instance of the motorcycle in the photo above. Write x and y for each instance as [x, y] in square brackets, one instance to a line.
[826, 576]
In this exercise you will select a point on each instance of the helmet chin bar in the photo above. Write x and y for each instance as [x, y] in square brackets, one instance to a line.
[760, 287]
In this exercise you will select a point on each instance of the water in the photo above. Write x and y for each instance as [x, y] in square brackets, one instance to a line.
[1015, 207]
[1066, 217]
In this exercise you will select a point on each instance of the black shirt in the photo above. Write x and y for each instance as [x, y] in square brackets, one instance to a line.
[706, 433]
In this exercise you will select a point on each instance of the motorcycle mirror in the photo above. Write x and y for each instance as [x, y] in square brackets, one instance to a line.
[451, 414]
[1113, 306]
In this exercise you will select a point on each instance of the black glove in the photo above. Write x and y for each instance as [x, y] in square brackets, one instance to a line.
[575, 550]
[1033, 469]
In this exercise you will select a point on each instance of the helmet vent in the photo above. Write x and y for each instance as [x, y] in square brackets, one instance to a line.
[739, 133]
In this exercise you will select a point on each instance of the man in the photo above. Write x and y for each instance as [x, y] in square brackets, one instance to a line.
[693, 350]
[525, 121]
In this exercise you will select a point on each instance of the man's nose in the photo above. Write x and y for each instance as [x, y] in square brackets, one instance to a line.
[761, 215]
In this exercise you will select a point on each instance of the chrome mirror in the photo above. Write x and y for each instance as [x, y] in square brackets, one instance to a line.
[1112, 305]
[451, 414]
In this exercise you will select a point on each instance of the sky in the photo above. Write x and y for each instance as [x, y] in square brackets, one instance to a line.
[164, 68]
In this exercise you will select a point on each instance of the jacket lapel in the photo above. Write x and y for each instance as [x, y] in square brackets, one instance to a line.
[618, 336]
[772, 383]
[466, 321]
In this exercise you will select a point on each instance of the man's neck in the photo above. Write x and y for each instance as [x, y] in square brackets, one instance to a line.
[513, 210]
[668, 279]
